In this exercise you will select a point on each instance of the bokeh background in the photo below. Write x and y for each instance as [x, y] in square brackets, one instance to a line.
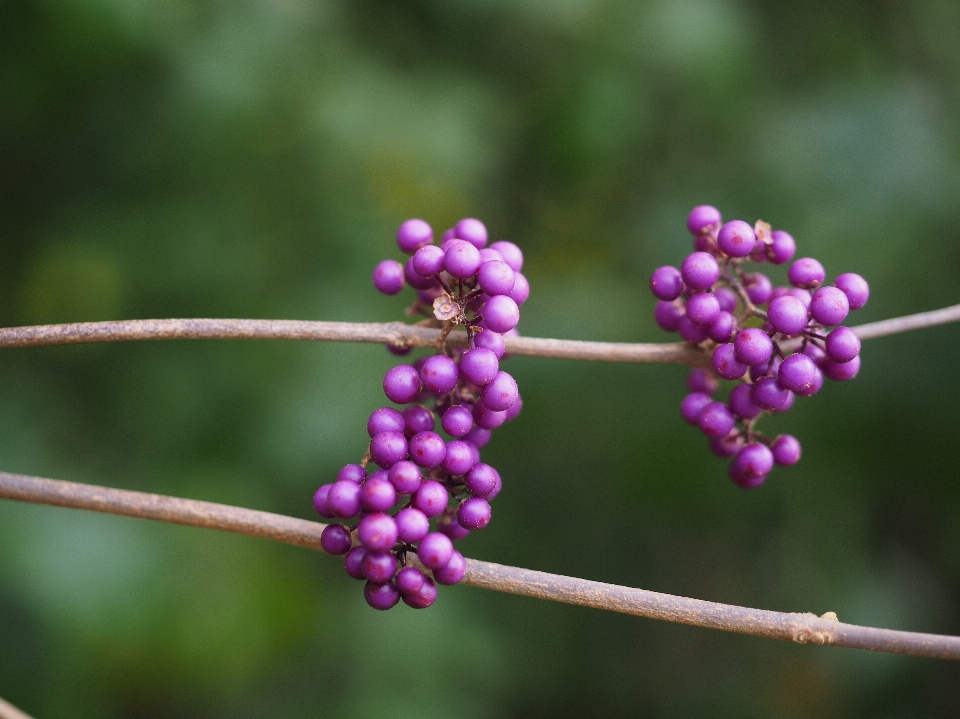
[253, 158]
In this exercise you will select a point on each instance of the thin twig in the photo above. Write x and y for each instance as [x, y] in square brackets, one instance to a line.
[909, 322]
[401, 335]
[9, 711]
[794, 627]
[394, 333]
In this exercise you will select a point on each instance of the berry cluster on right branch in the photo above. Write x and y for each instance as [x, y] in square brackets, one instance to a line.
[777, 342]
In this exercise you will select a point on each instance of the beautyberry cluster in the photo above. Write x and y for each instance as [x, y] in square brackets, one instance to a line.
[776, 341]
[423, 475]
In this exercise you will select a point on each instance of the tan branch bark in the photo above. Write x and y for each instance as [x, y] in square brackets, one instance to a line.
[793, 627]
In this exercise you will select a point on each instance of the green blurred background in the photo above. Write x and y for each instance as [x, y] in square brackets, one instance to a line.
[253, 159]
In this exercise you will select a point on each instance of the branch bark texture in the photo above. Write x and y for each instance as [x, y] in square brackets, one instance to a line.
[400, 334]
[793, 627]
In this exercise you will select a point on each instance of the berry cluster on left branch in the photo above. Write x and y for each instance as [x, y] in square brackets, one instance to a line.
[422, 476]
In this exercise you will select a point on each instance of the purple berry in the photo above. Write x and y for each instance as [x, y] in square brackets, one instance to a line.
[691, 332]
[802, 295]
[431, 498]
[500, 393]
[521, 289]
[753, 346]
[703, 218]
[725, 362]
[786, 450]
[782, 247]
[489, 340]
[410, 579]
[457, 421]
[353, 561]
[487, 418]
[512, 254]
[758, 288]
[460, 457]
[700, 270]
[439, 374]
[388, 448]
[736, 238]
[842, 345]
[352, 473]
[405, 477]
[427, 261]
[666, 283]
[479, 366]
[474, 513]
[422, 599]
[343, 499]
[768, 394]
[806, 273]
[816, 353]
[378, 566]
[723, 328]
[496, 278]
[667, 316]
[427, 449]
[741, 402]
[320, 501]
[797, 373]
[402, 384]
[377, 494]
[842, 371]
[754, 460]
[716, 420]
[388, 277]
[385, 419]
[435, 551]
[501, 314]
[742, 480]
[726, 446]
[454, 571]
[416, 280]
[412, 235]
[461, 259]
[412, 525]
[478, 437]
[381, 596]
[788, 315]
[473, 231]
[727, 299]
[855, 288]
[335, 539]
[417, 418]
[692, 405]
[481, 479]
[829, 306]
[703, 308]
[377, 531]
[699, 380]
[447, 524]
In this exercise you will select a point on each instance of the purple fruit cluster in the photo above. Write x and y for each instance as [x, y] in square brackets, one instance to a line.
[777, 342]
[421, 474]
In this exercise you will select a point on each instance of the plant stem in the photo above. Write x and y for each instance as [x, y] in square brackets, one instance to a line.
[793, 627]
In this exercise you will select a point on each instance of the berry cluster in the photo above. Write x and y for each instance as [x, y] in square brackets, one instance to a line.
[774, 340]
[422, 476]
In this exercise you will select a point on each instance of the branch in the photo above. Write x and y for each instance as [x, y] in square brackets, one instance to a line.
[9, 711]
[400, 334]
[793, 627]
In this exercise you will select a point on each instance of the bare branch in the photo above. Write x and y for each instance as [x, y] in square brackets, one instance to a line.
[9, 711]
[908, 322]
[400, 334]
[793, 627]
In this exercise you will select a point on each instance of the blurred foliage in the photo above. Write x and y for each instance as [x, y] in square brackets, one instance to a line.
[254, 158]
